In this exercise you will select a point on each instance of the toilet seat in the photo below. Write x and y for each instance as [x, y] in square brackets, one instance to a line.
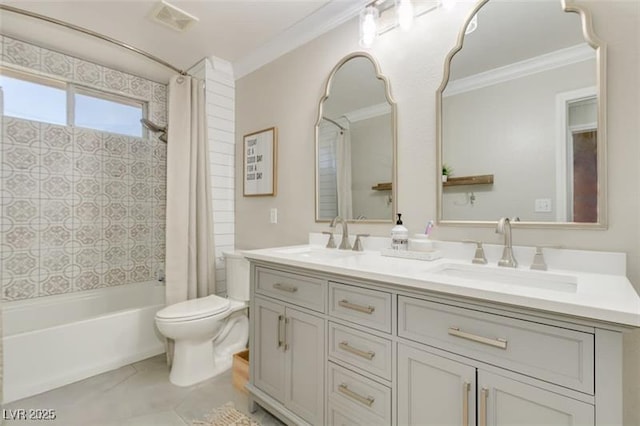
[194, 309]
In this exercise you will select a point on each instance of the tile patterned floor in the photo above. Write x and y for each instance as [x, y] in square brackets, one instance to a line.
[139, 394]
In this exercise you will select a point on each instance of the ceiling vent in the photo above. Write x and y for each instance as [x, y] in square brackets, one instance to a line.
[170, 16]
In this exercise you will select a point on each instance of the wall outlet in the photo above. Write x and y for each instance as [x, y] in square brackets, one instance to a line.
[543, 205]
[273, 215]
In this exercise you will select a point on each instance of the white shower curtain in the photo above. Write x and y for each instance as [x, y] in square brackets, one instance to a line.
[343, 170]
[190, 251]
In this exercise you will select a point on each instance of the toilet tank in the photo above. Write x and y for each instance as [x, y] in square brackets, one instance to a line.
[237, 268]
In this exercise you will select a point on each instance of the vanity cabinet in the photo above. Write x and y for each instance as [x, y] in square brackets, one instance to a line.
[528, 354]
[435, 390]
[330, 349]
[554, 354]
[504, 401]
[360, 360]
[289, 346]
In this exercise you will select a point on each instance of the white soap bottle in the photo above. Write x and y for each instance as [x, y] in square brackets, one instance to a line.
[399, 236]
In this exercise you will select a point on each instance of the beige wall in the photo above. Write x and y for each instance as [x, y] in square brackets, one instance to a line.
[285, 93]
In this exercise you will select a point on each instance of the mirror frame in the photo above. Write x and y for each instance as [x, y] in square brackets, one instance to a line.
[600, 47]
[394, 133]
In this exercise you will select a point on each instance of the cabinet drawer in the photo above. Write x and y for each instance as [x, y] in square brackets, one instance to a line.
[359, 394]
[557, 355]
[371, 353]
[297, 289]
[366, 307]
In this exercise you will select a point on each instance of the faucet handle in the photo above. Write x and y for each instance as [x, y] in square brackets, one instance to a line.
[357, 246]
[331, 243]
[538, 258]
[478, 258]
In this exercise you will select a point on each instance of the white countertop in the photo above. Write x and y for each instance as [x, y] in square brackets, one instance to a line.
[607, 297]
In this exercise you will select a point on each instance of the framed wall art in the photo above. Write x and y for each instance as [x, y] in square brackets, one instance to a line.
[259, 153]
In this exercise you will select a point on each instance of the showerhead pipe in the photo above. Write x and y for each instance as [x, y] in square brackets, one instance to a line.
[150, 125]
[153, 126]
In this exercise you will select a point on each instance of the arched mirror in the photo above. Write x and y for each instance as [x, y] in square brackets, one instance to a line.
[356, 144]
[521, 118]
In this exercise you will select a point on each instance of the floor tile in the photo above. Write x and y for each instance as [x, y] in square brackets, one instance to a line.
[76, 393]
[162, 418]
[139, 394]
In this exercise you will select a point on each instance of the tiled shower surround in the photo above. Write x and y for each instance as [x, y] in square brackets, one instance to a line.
[81, 209]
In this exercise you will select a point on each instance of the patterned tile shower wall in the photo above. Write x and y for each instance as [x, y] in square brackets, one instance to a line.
[81, 209]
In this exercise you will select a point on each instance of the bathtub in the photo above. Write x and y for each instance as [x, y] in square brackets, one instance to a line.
[56, 340]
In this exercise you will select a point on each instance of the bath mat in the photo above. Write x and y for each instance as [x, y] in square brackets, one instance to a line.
[226, 415]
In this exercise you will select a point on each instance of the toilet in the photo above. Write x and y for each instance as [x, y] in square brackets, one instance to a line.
[209, 330]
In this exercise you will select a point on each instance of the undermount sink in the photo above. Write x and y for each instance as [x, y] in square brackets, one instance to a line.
[526, 278]
[308, 252]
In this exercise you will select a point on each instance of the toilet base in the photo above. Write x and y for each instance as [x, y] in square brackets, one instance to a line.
[194, 362]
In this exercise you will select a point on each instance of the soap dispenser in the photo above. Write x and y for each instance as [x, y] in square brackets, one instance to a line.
[399, 235]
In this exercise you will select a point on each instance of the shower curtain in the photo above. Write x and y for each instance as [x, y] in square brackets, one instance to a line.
[190, 252]
[343, 171]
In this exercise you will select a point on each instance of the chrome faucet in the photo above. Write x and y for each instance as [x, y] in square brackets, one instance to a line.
[504, 227]
[344, 244]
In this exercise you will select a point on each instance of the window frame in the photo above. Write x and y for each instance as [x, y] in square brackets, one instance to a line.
[77, 89]
[37, 79]
[71, 89]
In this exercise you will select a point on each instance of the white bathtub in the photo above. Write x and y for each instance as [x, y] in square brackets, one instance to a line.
[56, 340]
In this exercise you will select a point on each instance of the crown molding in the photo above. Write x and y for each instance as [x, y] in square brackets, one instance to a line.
[368, 112]
[546, 62]
[326, 18]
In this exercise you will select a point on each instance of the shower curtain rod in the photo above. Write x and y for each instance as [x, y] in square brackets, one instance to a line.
[91, 33]
[334, 122]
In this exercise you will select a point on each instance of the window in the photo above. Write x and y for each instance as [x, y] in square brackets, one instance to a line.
[99, 111]
[40, 99]
[34, 99]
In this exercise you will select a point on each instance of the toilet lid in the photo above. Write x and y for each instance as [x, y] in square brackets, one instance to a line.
[195, 308]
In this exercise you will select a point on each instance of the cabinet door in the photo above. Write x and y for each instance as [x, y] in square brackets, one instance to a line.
[433, 390]
[268, 352]
[506, 402]
[305, 356]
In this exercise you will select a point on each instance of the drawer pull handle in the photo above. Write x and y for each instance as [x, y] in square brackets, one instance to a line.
[368, 401]
[497, 343]
[484, 394]
[366, 309]
[367, 355]
[284, 287]
[465, 403]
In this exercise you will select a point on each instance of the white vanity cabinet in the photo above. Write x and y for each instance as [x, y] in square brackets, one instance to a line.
[333, 349]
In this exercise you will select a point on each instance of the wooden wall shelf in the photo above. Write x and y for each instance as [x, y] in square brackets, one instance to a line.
[469, 180]
[385, 186]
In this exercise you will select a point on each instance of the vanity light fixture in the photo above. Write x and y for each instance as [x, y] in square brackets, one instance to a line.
[368, 25]
[380, 16]
[404, 12]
